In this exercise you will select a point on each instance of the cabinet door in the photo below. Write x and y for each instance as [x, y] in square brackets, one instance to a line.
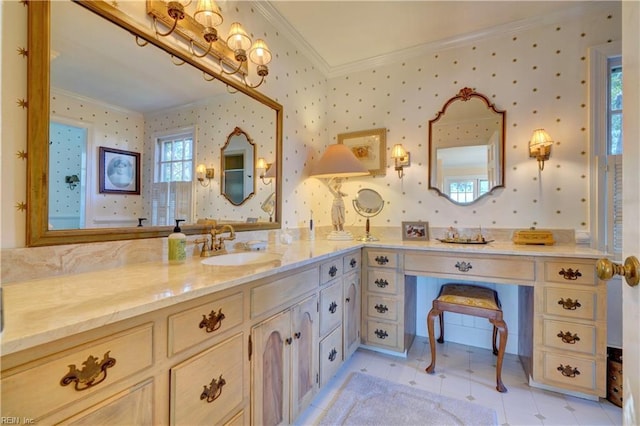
[271, 371]
[351, 324]
[304, 355]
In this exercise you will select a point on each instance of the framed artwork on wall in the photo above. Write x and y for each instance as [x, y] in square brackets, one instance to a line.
[119, 171]
[415, 231]
[370, 147]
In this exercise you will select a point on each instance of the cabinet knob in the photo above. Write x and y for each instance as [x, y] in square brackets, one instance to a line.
[214, 390]
[333, 271]
[333, 307]
[92, 373]
[213, 322]
[606, 269]
[353, 263]
[288, 340]
[568, 371]
[333, 354]
[297, 335]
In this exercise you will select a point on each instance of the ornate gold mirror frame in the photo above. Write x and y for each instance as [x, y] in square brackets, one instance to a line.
[38, 233]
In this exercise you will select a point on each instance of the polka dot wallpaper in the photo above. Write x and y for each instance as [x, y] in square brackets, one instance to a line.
[538, 75]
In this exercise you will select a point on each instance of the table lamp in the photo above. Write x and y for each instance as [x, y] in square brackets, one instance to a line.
[337, 163]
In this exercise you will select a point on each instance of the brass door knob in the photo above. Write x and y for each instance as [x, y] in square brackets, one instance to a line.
[606, 269]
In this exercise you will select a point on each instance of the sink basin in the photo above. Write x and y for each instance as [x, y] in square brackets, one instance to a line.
[240, 258]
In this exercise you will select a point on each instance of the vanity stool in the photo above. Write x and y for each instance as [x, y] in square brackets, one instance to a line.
[470, 300]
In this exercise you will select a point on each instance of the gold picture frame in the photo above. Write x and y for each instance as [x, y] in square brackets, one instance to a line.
[370, 147]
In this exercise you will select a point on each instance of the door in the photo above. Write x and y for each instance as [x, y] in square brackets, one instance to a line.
[304, 355]
[351, 323]
[631, 207]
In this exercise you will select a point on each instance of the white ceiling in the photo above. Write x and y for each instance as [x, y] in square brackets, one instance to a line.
[342, 36]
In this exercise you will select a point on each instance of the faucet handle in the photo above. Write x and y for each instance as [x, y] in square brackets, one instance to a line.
[206, 251]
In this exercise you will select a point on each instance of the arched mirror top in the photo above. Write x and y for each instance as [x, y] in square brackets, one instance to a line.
[237, 167]
[466, 148]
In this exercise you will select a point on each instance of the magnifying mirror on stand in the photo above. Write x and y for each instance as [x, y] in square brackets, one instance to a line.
[368, 203]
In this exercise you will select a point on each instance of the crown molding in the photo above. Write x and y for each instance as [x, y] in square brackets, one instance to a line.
[278, 21]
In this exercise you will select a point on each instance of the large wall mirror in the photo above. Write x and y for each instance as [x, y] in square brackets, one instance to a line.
[100, 78]
[466, 148]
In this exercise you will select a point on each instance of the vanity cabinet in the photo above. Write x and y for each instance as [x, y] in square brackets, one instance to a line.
[352, 301]
[285, 363]
[388, 302]
[571, 328]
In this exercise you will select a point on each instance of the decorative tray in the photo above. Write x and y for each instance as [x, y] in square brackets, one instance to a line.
[462, 241]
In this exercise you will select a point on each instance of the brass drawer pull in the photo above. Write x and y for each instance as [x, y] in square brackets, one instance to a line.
[92, 373]
[568, 337]
[382, 283]
[570, 274]
[333, 307]
[569, 304]
[381, 308]
[463, 266]
[568, 371]
[381, 334]
[214, 390]
[353, 263]
[382, 260]
[214, 322]
[333, 354]
[333, 271]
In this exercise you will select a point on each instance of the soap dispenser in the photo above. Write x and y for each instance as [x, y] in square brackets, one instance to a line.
[177, 244]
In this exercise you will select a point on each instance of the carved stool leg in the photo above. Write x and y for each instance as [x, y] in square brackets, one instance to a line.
[495, 335]
[432, 342]
[502, 328]
[441, 321]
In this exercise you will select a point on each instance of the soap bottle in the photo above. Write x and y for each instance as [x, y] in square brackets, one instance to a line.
[177, 244]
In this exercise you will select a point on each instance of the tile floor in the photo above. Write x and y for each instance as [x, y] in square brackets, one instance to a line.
[467, 372]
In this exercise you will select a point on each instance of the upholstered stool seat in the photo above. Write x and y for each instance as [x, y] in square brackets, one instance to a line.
[470, 300]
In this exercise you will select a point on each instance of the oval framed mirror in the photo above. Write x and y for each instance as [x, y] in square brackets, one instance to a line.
[368, 203]
[237, 158]
[466, 148]
[92, 22]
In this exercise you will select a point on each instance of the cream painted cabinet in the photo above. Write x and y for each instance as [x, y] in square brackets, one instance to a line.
[351, 311]
[285, 364]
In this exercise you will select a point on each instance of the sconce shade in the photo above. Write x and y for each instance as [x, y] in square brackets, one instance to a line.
[337, 162]
[540, 139]
[238, 38]
[398, 151]
[208, 14]
[261, 163]
[271, 172]
[260, 53]
[201, 169]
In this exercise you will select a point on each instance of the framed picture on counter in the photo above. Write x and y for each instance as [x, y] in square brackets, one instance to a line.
[415, 231]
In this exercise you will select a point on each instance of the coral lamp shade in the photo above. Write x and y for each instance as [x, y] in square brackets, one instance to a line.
[338, 161]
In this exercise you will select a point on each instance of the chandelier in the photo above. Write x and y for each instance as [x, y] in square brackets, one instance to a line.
[205, 19]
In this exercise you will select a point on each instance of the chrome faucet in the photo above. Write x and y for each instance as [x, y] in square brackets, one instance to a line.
[216, 246]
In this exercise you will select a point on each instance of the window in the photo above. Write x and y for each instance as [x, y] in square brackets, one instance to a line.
[614, 157]
[173, 177]
[467, 190]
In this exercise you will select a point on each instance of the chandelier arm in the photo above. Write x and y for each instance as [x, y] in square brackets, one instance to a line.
[178, 64]
[193, 50]
[204, 76]
[230, 73]
[252, 86]
[142, 43]
[158, 33]
[231, 91]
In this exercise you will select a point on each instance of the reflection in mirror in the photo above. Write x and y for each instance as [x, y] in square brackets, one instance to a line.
[466, 148]
[236, 168]
[368, 203]
[97, 87]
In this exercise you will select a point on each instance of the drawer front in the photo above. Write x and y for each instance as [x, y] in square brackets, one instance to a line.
[568, 272]
[382, 259]
[569, 372]
[269, 296]
[385, 308]
[382, 334]
[570, 336]
[330, 355]
[381, 281]
[464, 265]
[330, 270]
[351, 262]
[206, 387]
[570, 303]
[330, 307]
[204, 322]
[40, 390]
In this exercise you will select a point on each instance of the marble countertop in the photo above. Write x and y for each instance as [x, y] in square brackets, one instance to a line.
[42, 310]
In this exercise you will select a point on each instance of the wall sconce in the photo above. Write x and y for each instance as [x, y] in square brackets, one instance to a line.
[72, 181]
[262, 168]
[540, 147]
[401, 157]
[206, 18]
[203, 173]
